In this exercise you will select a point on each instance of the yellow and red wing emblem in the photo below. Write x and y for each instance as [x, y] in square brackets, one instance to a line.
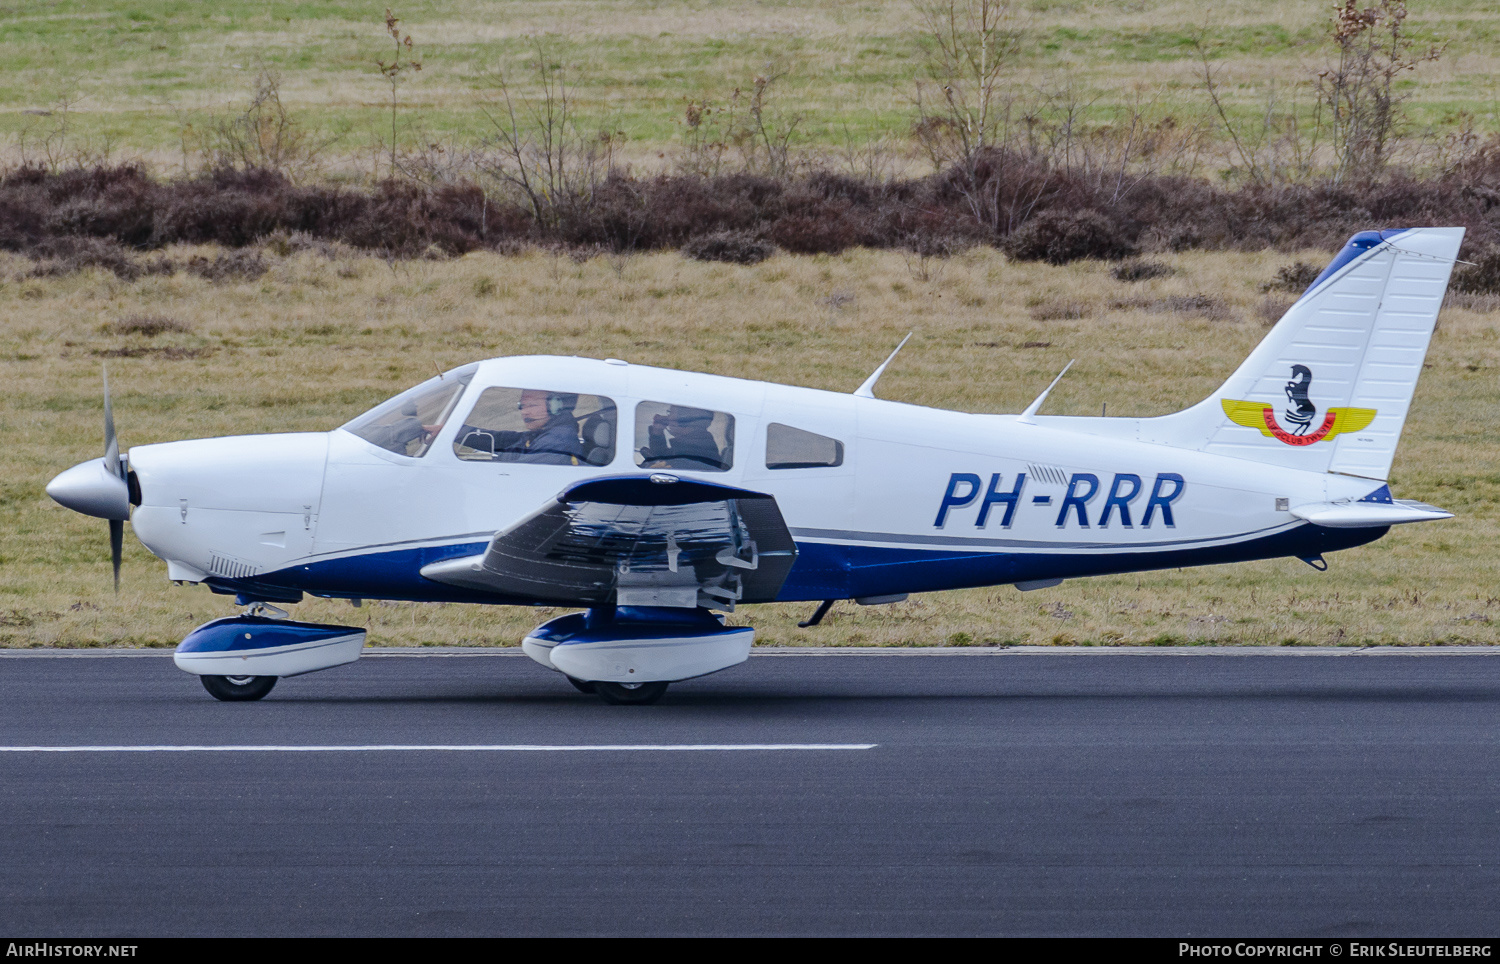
[1262, 417]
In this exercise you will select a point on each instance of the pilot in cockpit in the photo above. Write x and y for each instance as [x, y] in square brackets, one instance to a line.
[550, 437]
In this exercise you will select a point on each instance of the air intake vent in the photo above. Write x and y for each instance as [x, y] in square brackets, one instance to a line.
[229, 568]
[1047, 473]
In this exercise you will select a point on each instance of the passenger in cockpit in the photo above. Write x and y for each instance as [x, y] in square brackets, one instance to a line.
[680, 440]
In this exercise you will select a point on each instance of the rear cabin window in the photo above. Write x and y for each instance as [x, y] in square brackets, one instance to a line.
[793, 448]
[671, 436]
[538, 426]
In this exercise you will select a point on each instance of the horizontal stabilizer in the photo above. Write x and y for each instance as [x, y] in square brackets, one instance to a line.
[1359, 515]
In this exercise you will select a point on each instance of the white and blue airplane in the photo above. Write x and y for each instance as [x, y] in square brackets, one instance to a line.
[657, 499]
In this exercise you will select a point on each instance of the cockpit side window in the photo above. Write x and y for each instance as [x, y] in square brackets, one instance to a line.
[794, 448]
[681, 437]
[538, 426]
[408, 423]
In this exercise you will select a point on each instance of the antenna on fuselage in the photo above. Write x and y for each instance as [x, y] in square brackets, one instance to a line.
[1031, 409]
[867, 390]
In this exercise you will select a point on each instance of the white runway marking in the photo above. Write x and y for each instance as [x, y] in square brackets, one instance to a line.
[443, 747]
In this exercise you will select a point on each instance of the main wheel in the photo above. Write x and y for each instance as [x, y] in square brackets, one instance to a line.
[582, 686]
[234, 689]
[630, 694]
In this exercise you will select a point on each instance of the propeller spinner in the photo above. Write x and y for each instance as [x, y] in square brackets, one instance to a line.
[99, 487]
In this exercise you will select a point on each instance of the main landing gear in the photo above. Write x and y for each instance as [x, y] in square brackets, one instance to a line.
[630, 694]
[621, 694]
[235, 689]
[627, 655]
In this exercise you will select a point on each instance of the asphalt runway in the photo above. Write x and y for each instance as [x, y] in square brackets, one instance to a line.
[1012, 793]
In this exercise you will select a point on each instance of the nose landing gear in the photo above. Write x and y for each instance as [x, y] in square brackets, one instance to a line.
[240, 658]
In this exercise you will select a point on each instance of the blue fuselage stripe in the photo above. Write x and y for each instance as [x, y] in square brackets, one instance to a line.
[822, 570]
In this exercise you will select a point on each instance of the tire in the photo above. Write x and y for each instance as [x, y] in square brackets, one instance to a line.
[630, 694]
[582, 686]
[236, 689]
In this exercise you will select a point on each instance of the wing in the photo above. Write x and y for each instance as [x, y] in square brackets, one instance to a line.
[654, 540]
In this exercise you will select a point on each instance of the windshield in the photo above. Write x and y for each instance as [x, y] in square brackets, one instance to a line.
[408, 423]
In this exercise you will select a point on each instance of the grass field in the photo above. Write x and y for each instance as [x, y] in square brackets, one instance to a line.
[144, 76]
[317, 340]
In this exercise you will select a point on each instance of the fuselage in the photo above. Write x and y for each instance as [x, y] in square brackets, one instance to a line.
[882, 498]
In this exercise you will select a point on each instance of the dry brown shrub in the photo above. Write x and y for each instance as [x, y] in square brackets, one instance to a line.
[1271, 308]
[265, 134]
[1482, 277]
[284, 244]
[734, 247]
[1199, 305]
[1058, 310]
[169, 352]
[69, 255]
[1481, 303]
[148, 325]
[1058, 237]
[1295, 278]
[1141, 270]
[231, 266]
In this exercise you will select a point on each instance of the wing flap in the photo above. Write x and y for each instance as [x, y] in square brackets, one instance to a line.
[636, 538]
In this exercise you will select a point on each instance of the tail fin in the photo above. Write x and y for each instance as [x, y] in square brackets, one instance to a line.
[1329, 387]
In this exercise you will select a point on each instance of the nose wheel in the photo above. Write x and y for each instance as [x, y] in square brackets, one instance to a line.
[238, 689]
[630, 694]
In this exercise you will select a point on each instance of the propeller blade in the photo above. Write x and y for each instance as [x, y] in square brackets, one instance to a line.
[116, 547]
[112, 463]
[111, 442]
